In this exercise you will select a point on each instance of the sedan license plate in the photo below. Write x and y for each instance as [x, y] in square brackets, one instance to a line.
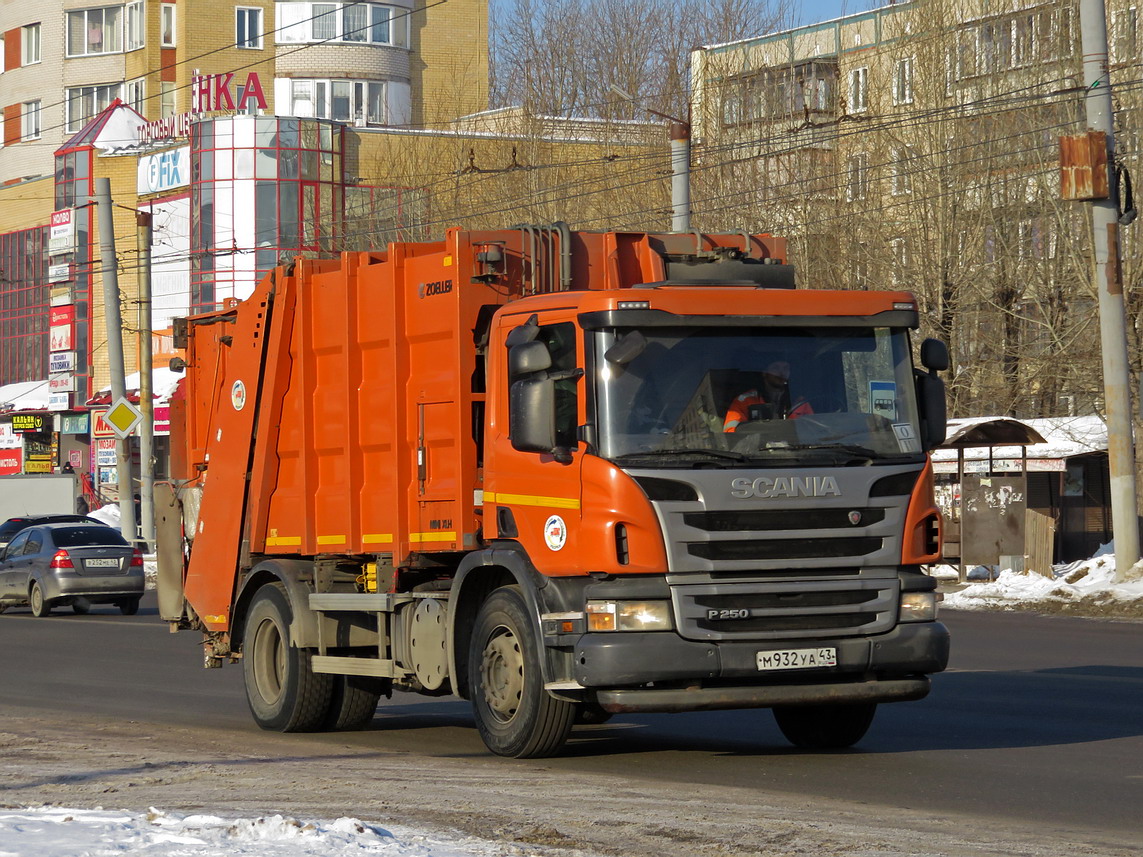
[101, 563]
[797, 659]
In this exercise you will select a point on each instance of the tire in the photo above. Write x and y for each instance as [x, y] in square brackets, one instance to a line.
[81, 606]
[825, 727]
[515, 716]
[39, 604]
[353, 702]
[129, 606]
[283, 692]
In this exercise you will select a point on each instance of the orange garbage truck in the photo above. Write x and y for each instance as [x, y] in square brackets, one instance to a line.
[504, 466]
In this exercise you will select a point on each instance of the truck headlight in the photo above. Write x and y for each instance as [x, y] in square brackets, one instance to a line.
[919, 606]
[629, 616]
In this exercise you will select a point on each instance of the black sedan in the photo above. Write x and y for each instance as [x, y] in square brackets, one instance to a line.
[77, 564]
[9, 528]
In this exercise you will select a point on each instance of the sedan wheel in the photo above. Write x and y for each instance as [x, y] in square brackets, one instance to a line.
[39, 604]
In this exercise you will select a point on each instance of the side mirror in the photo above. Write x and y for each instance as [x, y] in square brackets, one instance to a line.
[527, 358]
[934, 414]
[532, 414]
[627, 348]
[934, 355]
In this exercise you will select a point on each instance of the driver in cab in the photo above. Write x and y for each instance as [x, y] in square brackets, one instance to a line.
[769, 401]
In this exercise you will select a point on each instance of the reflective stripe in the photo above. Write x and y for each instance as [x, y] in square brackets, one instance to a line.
[433, 537]
[531, 500]
[283, 541]
[383, 538]
[331, 540]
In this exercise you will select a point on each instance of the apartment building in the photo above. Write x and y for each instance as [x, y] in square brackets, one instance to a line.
[916, 146]
[370, 64]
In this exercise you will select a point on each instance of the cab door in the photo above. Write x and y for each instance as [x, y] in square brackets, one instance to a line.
[533, 496]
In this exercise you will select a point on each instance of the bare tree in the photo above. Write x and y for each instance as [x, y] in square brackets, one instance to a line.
[561, 57]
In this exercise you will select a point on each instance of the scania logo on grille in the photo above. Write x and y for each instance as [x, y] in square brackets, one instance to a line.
[785, 486]
[855, 518]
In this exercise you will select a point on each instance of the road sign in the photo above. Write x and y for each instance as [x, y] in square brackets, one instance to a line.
[123, 416]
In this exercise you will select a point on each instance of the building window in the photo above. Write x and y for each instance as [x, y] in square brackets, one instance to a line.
[858, 80]
[902, 180]
[31, 121]
[372, 23]
[1125, 35]
[903, 81]
[248, 27]
[95, 31]
[31, 39]
[857, 177]
[136, 26]
[135, 93]
[358, 101]
[167, 25]
[84, 102]
[166, 98]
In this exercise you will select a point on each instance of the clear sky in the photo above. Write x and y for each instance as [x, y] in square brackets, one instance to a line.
[812, 11]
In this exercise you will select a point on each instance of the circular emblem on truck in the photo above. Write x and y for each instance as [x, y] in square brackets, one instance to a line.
[238, 395]
[555, 532]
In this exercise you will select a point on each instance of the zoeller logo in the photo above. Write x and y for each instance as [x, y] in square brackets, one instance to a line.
[440, 287]
[785, 486]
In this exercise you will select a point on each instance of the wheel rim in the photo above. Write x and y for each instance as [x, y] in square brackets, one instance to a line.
[37, 598]
[502, 673]
[269, 660]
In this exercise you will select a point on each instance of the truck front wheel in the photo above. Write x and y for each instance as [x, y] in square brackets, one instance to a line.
[284, 693]
[515, 716]
[825, 727]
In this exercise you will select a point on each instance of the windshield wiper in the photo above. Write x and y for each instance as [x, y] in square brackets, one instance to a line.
[722, 454]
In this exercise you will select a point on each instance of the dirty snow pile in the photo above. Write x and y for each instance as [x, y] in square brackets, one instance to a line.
[58, 832]
[1089, 582]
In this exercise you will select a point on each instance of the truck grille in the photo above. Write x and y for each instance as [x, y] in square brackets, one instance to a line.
[754, 549]
[798, 609]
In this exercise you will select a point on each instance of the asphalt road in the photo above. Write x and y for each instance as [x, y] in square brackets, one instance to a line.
[1037, 724]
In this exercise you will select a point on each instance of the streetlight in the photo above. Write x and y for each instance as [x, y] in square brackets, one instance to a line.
[679, 133]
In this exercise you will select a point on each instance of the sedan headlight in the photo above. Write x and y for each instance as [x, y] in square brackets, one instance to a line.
[629, 616]
[919, 606]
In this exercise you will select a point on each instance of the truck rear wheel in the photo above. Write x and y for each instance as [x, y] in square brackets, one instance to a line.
[825, 727]
[354, 702]
[284, 693]
[515, 716]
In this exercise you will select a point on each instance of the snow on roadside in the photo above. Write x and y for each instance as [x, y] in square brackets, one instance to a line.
[60, 832]
[1087, 582]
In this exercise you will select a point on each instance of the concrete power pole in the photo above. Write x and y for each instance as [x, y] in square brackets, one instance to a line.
[146, 394]
[1109, 284]
[109, 266]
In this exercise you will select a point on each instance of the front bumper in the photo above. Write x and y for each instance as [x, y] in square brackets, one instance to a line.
[881, 668]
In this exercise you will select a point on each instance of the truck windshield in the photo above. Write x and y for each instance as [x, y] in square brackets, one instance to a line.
[686, 397]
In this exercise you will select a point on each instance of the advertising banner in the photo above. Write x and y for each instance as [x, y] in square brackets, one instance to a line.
[11, 461]
[61, 232]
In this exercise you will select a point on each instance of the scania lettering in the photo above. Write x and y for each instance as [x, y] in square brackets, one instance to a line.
[783, 486]
[524, 492]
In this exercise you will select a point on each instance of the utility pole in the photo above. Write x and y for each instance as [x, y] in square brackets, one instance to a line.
[1109, 284]
[146, 394]
[114, 323]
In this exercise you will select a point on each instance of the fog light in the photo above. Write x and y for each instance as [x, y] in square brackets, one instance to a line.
[629, 616]
[919, 606]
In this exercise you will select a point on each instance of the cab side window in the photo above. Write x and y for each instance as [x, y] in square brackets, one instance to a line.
[560, 342]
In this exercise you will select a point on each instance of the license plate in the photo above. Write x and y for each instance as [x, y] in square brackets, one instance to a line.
[101, 563]
[797, 659]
